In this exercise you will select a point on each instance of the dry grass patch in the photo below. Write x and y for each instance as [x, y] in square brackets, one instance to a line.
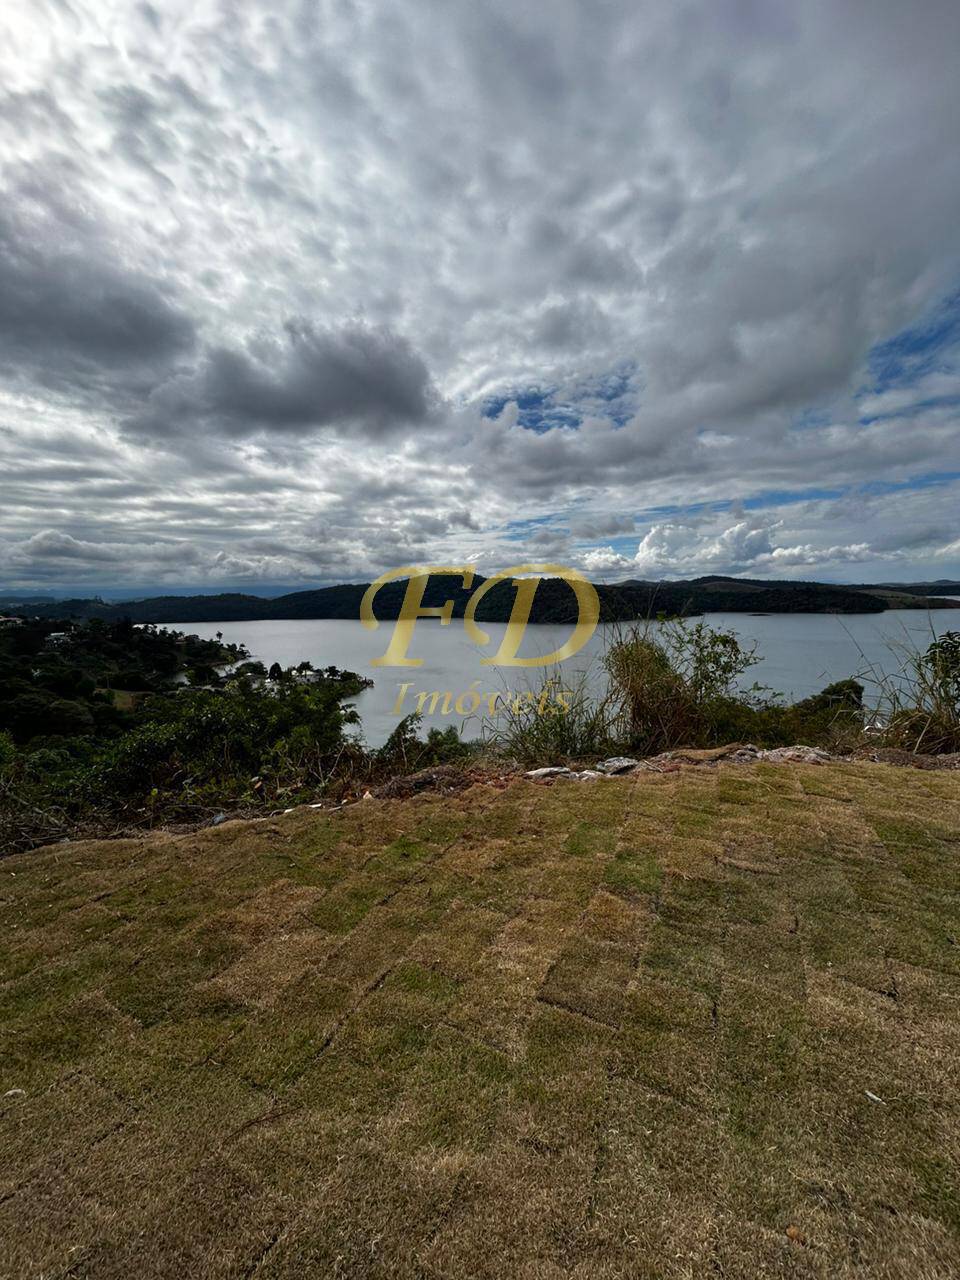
[701, 1023]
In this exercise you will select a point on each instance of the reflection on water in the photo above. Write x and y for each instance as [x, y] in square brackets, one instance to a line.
[801, 653]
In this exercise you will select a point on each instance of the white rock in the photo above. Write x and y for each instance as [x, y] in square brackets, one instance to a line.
[549, 771]
[589, 774]
[617, 764]
[796, 755]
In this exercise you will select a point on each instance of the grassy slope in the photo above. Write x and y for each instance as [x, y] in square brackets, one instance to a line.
[601, 1030]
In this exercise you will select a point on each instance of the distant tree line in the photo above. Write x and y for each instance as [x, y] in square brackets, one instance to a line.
[554, 601]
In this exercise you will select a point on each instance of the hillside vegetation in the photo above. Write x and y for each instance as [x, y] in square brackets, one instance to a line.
[700, 1023]
[111, 724]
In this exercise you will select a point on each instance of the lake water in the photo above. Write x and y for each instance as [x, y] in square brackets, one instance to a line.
[801, 653]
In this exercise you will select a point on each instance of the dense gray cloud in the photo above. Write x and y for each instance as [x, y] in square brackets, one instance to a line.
[65, 306]
[303, 289]
[306, 379]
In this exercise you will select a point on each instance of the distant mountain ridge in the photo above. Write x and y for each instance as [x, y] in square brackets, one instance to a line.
[554, 601]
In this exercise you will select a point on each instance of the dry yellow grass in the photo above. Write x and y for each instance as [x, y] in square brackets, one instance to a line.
[699, 1024]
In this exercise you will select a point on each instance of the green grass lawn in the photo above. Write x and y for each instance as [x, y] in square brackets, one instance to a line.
[703, 1024]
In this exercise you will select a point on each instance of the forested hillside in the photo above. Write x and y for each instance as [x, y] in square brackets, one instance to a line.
[554, 601]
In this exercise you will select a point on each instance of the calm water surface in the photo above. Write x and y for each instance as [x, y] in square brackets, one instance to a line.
[800, 654]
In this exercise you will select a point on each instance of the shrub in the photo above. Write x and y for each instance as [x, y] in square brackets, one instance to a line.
[924, 716]
[550, 723]
[30, 715]
[201, 740]
[405, 752]
[832, 718]
[675, 685]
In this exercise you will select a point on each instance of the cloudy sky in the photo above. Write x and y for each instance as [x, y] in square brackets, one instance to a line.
[294, 293]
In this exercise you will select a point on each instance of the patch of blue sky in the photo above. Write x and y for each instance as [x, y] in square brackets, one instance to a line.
[791, 497]
[932, 480]
[611, 394]
[922, 348]
[816, 493]
[717, 506]
[624, 544]
[518, 530]
[788, 497]
[537, 408]
[916, 406]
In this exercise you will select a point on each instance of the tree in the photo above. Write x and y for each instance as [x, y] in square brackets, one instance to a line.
[203, 673]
